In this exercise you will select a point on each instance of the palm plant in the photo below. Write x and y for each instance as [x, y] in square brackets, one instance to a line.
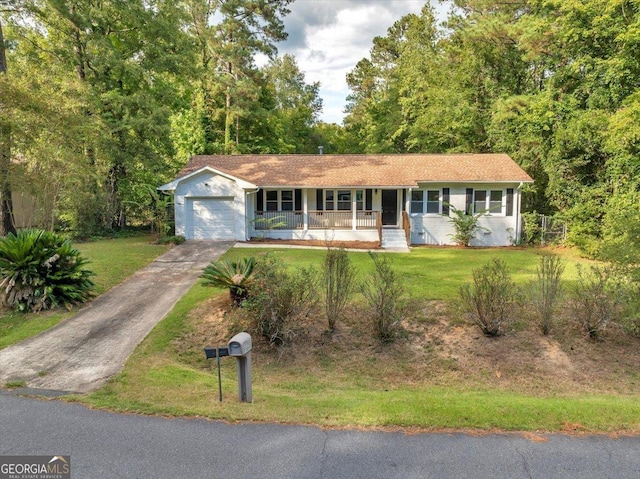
[40, 270]
[234, 275]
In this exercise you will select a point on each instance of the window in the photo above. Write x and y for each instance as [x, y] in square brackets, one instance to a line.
[328, 198]
[489, 202]
[417, 198]
[279, 200]
[433, 202]
[425, 201]
[286, 200]
[272, 200]
[344, 200]
[495, 202]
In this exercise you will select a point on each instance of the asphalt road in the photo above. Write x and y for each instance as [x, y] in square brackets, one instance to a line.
[104, 445]
[81, 353]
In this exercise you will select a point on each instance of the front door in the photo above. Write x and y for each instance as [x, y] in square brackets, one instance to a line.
[389, 207]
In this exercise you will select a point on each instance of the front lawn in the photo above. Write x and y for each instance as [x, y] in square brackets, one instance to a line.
[441, 374]
[112, 261]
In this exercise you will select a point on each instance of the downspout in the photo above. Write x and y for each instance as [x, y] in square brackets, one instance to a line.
[247, 237]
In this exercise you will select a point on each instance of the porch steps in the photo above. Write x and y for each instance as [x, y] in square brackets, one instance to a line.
[394, 240]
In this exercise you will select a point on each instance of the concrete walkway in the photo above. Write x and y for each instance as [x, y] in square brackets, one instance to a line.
[81, 353]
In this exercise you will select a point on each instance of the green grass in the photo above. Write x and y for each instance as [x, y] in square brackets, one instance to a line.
[429, 273]
[157, 380]
[112, 261]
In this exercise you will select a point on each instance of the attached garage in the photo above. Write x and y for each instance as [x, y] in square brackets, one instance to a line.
[210, 218]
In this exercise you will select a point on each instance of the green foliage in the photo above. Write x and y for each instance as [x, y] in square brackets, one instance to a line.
[597, 299]
[385, 294]
[466, 225]
[339, 281]
[40, 270]
[491, 299]
[531, 231]
[545, 292]
[234, 275]
[171, 240]
[279, 300]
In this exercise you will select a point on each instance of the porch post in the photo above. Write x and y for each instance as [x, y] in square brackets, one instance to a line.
[305, 209]
[354, 211]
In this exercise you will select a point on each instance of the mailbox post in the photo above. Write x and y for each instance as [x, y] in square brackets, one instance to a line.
[240, 348]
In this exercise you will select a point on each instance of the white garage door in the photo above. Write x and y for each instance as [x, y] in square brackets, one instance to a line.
[211, 218]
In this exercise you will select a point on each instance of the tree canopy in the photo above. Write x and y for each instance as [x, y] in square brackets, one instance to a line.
[101, 101]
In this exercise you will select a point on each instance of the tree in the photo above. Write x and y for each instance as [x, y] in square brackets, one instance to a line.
[6, 201]
[247, 27]
[296, 105]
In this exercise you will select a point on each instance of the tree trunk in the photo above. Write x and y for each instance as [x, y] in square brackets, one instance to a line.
[6, 204]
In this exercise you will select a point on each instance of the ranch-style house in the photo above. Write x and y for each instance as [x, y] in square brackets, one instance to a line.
[348, 197]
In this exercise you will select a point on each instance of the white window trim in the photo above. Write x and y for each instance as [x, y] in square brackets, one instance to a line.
[279, 192]
[353, 201]
[425, 199]
[503, 202]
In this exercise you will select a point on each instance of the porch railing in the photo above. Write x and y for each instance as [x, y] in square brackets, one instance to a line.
[291, 220]
[278, 220]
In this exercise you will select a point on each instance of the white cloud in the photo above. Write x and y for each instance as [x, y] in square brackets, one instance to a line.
[329, 37]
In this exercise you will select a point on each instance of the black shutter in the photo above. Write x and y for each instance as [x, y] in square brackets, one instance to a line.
[319, 202]
[445, 201]
[468, 209]
[297, 206]
[509, 201]
[404, 200]
[368, 200]
[260, 201]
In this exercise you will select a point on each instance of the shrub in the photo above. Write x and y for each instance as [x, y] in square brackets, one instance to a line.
[234, 275]
[491, 299]
[338, 282]
[172, 239]
[41, 270]
[279, 300]
[466, 225]
[531, 231]
[546, 290]
[597, 298]
[384, 292]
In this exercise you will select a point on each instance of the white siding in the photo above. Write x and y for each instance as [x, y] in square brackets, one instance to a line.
[434, 229]
[210, 206]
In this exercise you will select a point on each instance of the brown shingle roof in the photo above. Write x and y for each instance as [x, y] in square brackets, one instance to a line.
[362, 170]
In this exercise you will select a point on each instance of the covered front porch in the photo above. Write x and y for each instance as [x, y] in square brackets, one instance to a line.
[353, 214]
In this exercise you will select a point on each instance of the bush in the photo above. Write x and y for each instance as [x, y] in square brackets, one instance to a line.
[531, 231]
[172, 239]
[466, 225]
[279, 300]
[338, 282]
[234, 275]
[597, 299]
[40, 270]
[546, 290]
[491, 299]
[385, 294]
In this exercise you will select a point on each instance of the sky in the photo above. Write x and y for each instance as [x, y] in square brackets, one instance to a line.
[328, 37]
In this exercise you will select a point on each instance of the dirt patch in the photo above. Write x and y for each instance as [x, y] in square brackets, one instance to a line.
[437, 348]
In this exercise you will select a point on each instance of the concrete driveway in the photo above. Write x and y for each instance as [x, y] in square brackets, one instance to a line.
[81, 353]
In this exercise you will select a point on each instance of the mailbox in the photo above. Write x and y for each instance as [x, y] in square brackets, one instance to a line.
[240, 344]
[240, 347]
